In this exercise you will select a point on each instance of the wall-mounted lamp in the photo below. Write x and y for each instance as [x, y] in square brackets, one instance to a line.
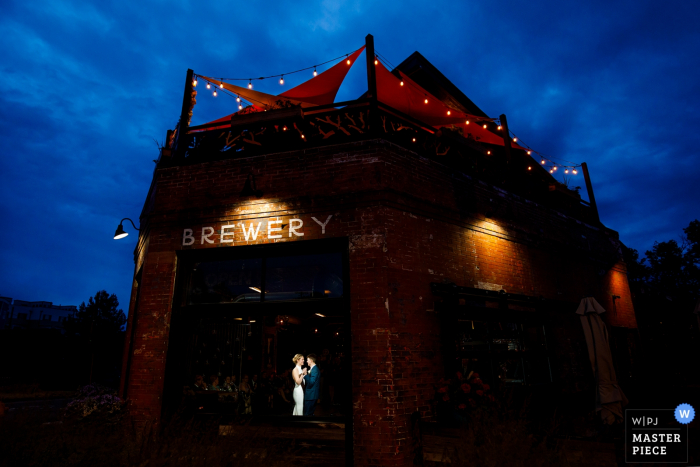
[119, 233]
[250, 189]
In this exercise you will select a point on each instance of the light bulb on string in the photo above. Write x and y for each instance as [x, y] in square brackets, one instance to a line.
[555, 167]
[315, 73]
[484, 126]
[529, 152]
[401, 82]
[542, 161]
[208, 85]
[282, 79]
[214, 92]
[238, 98]
[194, 82]
[467, 122]
[448, 112]
[499, 127]
[488, 152]
[574, 172]
[515, 140]
[240, 106]
[551, 171]
[250, 84]
[566, 171]
[529, 168]
[426, 99]
[376, 62]
[348, 60]
[221, 85]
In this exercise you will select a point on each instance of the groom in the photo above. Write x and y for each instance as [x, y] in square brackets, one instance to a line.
[312, 381]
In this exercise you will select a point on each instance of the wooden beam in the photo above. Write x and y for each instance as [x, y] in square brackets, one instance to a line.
[371, 73]
[589, 187]
[506, 136]
[184, 124]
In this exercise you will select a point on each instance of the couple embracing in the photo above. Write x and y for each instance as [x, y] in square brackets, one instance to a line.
[305, 401]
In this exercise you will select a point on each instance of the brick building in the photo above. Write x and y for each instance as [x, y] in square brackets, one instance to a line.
[402, 245]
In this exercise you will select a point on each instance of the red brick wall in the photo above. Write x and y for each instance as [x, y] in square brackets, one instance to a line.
[410, 221]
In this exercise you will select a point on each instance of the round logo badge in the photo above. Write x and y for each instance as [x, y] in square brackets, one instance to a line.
[685, 413]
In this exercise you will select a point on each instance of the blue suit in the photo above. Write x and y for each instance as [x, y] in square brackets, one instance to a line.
[313, 382]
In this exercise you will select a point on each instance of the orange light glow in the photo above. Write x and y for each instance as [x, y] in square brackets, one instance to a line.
[529, 168]
[488, 152]
[499, 127]
[401, 83]
[426, 100]
[282, 80]
[448, 112]
[348, 61]
[376, 62]
[467, 122]
[250, 85]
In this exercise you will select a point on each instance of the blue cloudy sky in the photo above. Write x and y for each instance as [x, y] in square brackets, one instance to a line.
[88, 86]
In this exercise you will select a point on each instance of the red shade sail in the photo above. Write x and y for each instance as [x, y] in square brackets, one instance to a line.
[322, 89]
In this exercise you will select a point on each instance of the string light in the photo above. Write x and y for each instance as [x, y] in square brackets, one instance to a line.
[376, 62]
[529, 152]
[551, 171]
[488, 152]
[484, 126]
[401, 82]
[566, 171]
[414, 140]
[194, 82]
[214, 92]
[315, 71]
[240, 106]
[221, 85]
[574, 171]
[302, 136]
[467, 122]
[208, 85]
[284, 129]
[250, 84]
[426, 99]
[515, 140]
[238, 98]
[542, 161]
[282, 79]
[348, 60]
[529, 168]
[499, 127]
[448, 112]
[555, 167]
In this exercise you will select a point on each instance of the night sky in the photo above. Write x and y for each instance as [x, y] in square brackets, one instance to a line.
[88, 87]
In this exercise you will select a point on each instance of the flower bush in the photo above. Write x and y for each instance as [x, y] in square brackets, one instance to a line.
[94, 399]
[458, 397]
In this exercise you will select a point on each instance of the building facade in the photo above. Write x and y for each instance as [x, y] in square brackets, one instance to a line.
[362, 232]
[22, 314]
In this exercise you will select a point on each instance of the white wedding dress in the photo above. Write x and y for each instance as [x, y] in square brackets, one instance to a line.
[298, 395]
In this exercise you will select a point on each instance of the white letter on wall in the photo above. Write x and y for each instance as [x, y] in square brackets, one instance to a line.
[248, 233]
[271, 229]
[293, 228]
[323, 226]
[224, 233]
[187, 237]
[210, 232]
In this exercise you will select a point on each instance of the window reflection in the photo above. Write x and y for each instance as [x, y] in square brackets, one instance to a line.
[305, 276]
[314, 276]
[230, 281]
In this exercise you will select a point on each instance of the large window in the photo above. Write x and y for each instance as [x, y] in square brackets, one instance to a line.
[500, 336]
[242, 313]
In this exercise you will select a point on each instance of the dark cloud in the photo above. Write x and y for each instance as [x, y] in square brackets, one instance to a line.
[88, 86]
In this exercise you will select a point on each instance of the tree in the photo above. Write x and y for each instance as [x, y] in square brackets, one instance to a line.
[98, 330]
[101, 316]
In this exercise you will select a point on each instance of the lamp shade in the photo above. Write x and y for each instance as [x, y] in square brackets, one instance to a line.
[119, 233]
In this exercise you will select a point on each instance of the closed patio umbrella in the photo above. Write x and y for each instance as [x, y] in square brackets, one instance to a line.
[609, 396]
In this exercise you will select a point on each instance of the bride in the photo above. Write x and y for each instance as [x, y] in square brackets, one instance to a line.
[298, 376]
